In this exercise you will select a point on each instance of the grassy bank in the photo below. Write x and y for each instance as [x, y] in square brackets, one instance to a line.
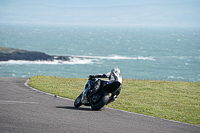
[179, 101]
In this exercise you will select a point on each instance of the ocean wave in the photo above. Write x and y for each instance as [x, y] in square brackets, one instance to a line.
[173, 77]
[116, 57]
[184, 57]
[76, 60]
[54, 62]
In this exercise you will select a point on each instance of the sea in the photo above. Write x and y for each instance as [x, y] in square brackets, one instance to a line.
[141, 52]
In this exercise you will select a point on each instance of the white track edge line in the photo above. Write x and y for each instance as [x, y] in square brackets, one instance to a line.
[26, 84]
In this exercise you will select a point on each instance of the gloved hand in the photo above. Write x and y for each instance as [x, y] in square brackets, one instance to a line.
[91, 77]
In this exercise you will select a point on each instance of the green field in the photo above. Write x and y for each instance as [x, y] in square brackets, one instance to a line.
[173, 100]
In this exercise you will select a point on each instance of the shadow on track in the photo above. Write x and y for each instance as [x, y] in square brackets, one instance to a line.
[74, 108]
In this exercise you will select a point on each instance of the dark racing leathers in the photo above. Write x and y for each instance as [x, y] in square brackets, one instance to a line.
[116, 83]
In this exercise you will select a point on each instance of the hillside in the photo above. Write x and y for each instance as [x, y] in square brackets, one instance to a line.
[19, 54]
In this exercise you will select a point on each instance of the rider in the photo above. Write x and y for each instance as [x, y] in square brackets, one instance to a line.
[114, 76]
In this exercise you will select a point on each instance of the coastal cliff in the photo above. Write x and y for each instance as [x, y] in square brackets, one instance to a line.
[19, 54]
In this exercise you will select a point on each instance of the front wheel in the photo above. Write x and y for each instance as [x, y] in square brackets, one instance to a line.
[77, 102]
[100, 102]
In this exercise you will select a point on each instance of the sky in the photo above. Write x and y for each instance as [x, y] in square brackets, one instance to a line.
[89, 3]
[102, 12]
[80, 3]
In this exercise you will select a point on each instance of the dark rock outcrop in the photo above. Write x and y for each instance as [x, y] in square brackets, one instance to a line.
[18, 54]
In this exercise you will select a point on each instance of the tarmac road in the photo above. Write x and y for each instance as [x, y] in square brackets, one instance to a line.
[23, 110]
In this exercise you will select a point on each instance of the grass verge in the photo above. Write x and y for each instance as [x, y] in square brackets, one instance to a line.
[174, 100]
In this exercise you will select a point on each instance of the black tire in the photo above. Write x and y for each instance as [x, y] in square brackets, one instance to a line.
[77, 102]
[99, 104]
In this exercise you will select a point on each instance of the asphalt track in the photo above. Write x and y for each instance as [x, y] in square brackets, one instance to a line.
[23, 110]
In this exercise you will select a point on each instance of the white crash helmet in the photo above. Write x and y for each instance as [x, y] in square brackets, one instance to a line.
[115, 71]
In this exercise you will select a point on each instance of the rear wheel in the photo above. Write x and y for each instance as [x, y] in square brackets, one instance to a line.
[99, 100]
[77, 102]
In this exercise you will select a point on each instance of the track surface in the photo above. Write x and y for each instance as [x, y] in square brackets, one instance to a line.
[26, 111]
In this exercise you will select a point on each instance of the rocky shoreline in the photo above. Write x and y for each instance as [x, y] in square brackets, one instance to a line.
[19, 54]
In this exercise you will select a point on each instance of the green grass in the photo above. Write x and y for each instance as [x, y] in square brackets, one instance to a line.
[174, 100]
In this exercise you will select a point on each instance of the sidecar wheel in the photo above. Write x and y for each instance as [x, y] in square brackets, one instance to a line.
[77, 102]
